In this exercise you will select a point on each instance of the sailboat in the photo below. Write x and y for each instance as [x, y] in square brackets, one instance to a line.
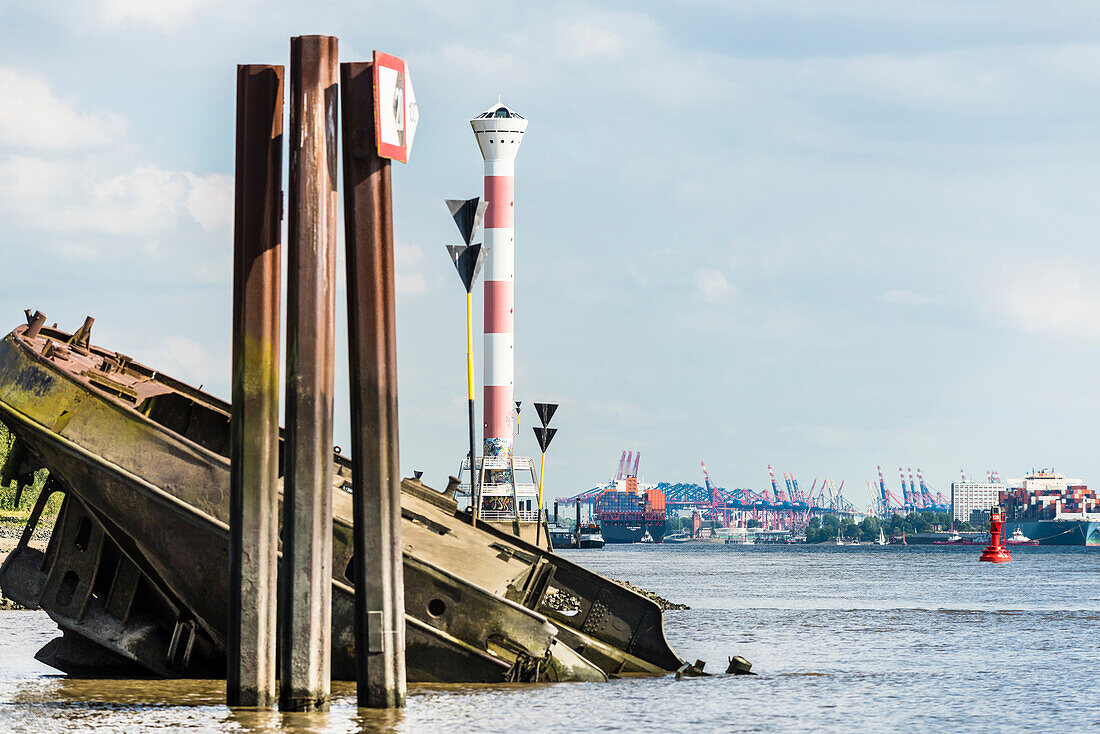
[881, 537]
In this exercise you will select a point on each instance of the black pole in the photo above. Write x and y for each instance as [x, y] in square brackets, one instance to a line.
[577, 530]
[473, 471]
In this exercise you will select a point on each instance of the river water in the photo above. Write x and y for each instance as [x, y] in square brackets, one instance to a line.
[913, 639]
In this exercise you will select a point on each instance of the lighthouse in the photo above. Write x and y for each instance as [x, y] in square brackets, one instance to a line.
[499, 132]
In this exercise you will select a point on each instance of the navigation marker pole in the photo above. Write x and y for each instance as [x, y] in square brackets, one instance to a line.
[544, 435]
[468, 260]
[379, 122]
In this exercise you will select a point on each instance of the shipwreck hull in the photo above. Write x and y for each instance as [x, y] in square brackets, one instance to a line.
[142, 460]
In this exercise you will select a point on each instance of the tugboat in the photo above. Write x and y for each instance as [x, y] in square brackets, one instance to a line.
[591, 537]
[1018, 538]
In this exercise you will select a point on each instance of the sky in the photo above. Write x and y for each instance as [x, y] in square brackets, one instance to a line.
[821, 236]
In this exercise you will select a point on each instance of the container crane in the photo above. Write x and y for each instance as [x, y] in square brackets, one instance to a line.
[717, 502]
[882, 494]
[928, 501]
[876, 510]
[887, 495]
[780, 495]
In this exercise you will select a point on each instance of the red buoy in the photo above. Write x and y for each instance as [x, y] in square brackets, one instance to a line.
[995, 552]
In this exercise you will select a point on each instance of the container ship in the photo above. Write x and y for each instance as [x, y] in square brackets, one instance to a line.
[626, 512]
[1053, 510]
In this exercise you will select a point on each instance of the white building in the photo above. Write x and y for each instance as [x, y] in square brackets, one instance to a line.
[969, 496]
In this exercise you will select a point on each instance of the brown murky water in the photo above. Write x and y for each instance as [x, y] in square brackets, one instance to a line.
[845, 639]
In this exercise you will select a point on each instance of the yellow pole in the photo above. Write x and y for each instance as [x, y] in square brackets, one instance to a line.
[470, 345]
[541, 470]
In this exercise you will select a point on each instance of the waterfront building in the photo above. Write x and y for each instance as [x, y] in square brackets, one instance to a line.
[969, 496]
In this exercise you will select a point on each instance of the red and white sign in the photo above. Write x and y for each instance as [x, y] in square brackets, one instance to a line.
[395, 113]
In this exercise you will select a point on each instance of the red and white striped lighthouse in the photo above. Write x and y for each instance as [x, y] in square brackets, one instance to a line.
[499, 132]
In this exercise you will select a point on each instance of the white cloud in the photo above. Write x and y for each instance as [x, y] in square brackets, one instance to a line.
[408, 278]
[832, 437]
[163, 15]
[188, 360]
[33, 117]
[75, 250]
[210, 200]
[465, 61]
[712, 285]
[961, 81]
[587, 39]
[895, 295]
[410, 284]
[1054, 300]
[69, 195]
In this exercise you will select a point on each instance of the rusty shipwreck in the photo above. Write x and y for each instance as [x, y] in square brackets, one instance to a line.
[135, 573]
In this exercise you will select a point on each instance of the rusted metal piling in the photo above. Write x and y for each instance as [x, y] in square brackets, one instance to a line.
[378, 568]
[305, 588]
[254, 425]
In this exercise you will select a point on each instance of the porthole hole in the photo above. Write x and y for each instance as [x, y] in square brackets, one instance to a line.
[436, 607]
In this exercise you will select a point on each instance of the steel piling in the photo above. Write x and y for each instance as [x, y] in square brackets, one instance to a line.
[254, 423]
[378, 569]
[305, 589]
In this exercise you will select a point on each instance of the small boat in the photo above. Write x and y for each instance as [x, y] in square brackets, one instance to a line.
[955, 539]
[591, 537]
[1018, 538]
[562, 537]
[881, 537]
